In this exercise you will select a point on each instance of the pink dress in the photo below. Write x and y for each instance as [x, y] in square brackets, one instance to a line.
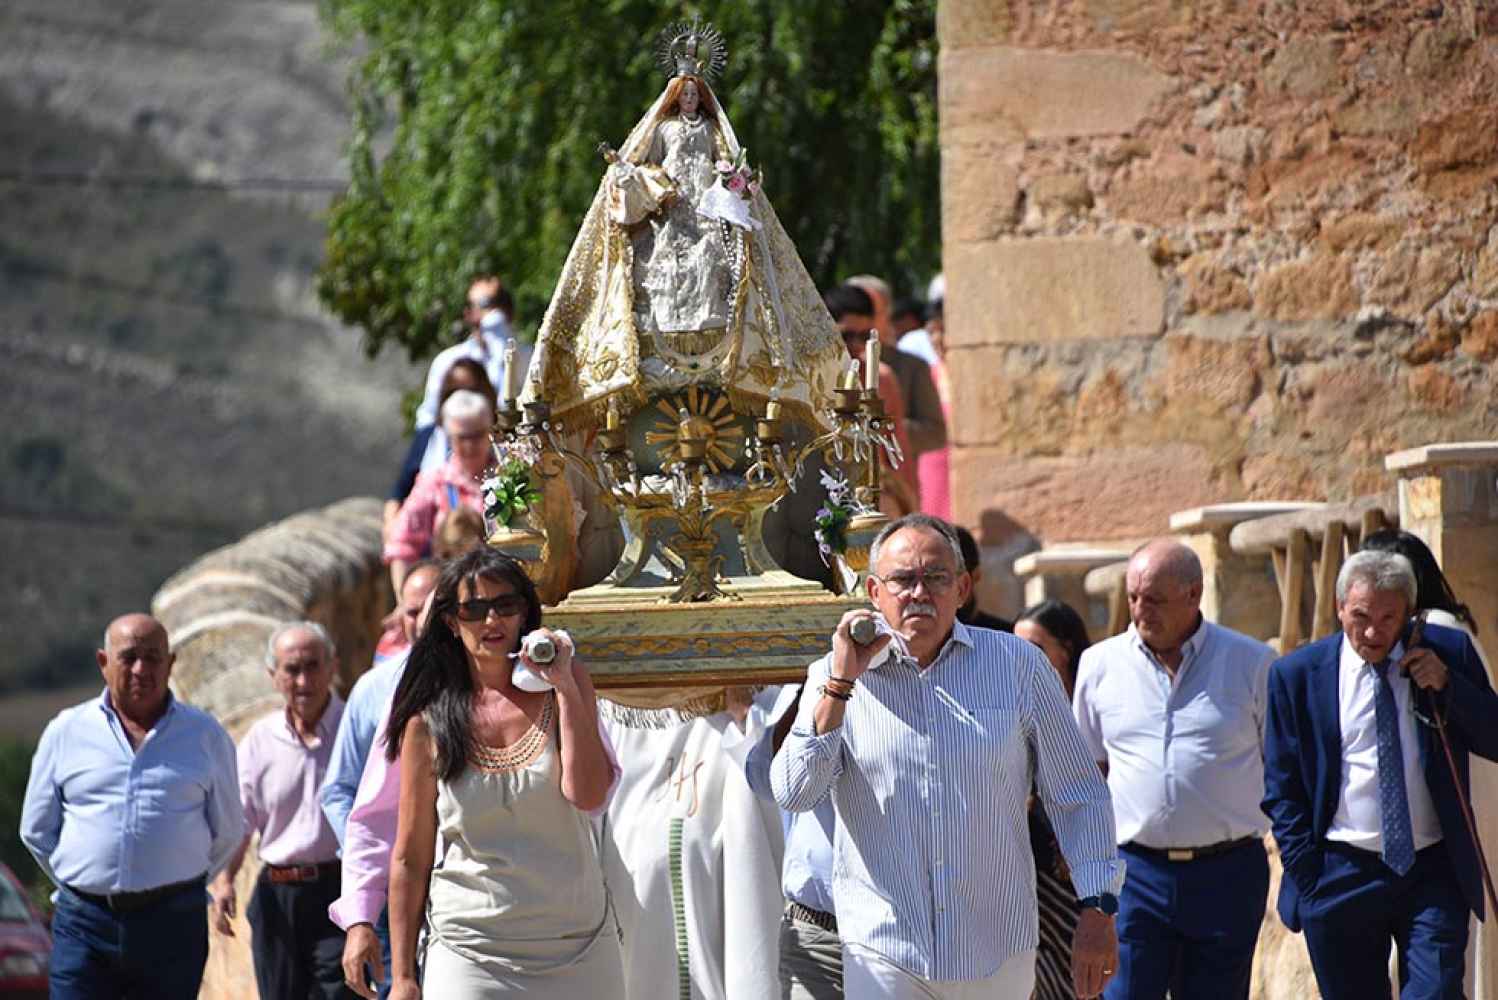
[933, 467]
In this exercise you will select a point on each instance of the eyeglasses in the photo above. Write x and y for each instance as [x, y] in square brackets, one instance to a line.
[505, 605]
[936, 582]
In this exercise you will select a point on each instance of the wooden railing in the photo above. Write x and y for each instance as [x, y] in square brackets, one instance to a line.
[1308, 548]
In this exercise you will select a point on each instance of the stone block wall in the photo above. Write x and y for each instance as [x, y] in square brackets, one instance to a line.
[323, 566]
[1206, 251]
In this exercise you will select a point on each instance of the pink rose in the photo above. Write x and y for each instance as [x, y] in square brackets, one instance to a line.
[723, 167]
[736, 183]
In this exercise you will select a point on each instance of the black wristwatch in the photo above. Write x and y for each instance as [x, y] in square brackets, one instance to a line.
[1107, 903]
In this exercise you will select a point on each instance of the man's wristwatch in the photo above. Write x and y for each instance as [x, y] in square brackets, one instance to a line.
[1106, 902]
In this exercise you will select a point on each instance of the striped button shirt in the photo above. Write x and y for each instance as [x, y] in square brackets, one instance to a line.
[930, 773]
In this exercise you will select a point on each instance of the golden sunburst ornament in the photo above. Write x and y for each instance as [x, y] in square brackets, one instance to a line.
[708, 417]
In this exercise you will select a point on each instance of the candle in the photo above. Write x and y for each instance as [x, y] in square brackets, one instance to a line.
[871, 363]
[850, 377]
[512, 377]
[611, 422]
[772, 410]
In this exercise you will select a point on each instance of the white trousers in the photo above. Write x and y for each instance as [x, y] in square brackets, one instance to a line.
[870, 976]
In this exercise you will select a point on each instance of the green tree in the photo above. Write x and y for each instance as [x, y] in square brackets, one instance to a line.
[486, 114]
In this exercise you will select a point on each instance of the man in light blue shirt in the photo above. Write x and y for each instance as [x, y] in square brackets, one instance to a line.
[1174, 711]
[811, 959]
[367, 701]
[929, 740]
[132, 804]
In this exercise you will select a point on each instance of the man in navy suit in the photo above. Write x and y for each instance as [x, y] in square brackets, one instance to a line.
[1357, 787]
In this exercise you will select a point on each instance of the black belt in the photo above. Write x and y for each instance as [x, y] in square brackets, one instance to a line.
[126, 902]
[1191, 853]
[807, 915]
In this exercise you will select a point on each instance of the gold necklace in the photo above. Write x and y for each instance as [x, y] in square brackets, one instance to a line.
[522, 752]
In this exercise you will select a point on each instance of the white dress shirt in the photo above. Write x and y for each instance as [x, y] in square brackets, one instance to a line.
[488, 349]
[1358, 820]
[1185, 755]
[930, 775]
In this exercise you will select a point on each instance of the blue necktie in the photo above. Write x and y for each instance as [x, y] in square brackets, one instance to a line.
[1394, 806]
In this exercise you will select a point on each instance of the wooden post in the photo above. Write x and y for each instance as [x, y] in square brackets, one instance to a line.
[1296, 555]
[1326, 581]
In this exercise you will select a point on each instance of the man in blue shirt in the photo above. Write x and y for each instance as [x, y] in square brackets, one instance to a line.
[811, 953]
[367, 702]
[131, 806]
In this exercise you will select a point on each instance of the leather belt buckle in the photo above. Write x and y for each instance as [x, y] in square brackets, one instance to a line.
[1180, 854]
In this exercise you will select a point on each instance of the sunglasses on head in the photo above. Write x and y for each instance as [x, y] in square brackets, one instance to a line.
[504, 606]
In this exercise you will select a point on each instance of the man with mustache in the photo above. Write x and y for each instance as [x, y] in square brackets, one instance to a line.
[929, 740]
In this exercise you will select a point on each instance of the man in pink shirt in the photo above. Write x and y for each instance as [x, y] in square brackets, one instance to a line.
[282, 762]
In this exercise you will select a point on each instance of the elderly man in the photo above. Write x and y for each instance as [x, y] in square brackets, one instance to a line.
[486, 336]
[282, 759]
[368, 704]
[130, 807]
[930, 740]
[1173, 710]
[924, 421]
[1367, 815]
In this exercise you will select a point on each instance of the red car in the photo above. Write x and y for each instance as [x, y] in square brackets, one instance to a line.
[25, 943]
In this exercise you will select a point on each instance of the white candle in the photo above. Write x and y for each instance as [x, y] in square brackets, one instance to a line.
[871, 363]
[512, 377]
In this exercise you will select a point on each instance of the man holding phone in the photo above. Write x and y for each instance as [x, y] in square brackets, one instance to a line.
[1368, 818]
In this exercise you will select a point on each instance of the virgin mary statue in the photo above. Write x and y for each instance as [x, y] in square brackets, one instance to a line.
[681, 274]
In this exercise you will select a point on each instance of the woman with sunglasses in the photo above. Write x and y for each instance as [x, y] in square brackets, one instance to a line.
[1061, 634]
[509, 778]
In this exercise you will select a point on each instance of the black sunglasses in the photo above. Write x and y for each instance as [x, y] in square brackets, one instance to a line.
[504, 605]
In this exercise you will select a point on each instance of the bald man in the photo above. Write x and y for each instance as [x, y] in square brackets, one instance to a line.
[1174, 710]
[132, 805]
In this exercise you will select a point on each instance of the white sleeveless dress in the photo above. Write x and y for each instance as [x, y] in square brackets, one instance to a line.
[517, 903]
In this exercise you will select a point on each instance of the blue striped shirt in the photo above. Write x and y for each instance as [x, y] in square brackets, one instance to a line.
[930, 774]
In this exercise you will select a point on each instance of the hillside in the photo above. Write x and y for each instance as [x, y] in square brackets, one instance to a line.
[167, 382]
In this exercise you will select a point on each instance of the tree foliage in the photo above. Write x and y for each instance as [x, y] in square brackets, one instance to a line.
[476, 122]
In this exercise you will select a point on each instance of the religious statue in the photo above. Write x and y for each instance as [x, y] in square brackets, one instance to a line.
[681, 274]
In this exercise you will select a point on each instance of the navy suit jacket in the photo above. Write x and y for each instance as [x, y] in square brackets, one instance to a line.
[1303, 758]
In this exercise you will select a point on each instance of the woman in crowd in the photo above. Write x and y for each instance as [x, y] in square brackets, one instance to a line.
[1061, 635]
[934, 467]
[1433, 593]
[509, 778]
[466, 418]
[429, 447]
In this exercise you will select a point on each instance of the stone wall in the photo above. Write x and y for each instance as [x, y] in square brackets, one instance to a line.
[322, 565]
[1211, 251]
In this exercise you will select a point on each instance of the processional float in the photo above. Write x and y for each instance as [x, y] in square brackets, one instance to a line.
[686, 380]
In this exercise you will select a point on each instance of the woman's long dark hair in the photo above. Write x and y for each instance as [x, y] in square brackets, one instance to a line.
[1063, 622]
[437, 681]
[1432, 589]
